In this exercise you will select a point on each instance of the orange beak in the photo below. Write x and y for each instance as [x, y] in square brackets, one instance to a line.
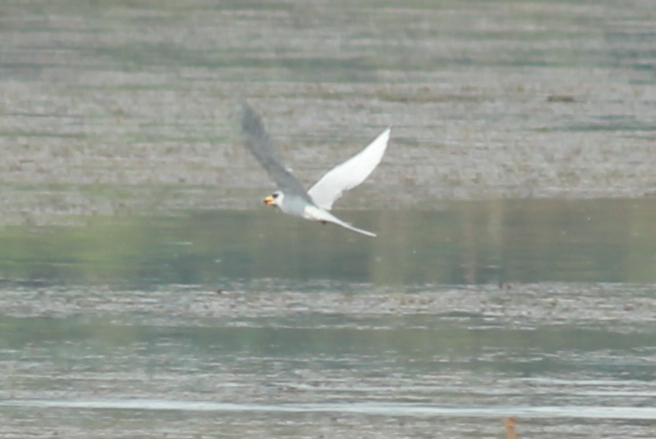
[269, 200]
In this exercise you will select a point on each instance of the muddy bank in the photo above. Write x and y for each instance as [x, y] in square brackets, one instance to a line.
[100, 115]
[298, 358]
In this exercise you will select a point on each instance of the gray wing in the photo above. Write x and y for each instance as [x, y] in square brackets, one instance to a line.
[258, 142]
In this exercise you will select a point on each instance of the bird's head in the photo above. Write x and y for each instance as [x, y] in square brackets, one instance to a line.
[275, 199]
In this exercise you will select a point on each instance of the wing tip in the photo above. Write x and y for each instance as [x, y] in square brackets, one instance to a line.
[247, 116]
[384, 135]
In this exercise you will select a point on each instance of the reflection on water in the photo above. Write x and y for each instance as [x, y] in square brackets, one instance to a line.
[465, 242]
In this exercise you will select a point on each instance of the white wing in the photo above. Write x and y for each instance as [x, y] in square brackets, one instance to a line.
[349, 174]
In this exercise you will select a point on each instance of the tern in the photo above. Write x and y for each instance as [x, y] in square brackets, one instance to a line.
[315, 203]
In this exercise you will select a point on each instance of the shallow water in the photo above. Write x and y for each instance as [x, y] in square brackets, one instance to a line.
[464, 242]
[190, 324]
[290, 359]
[144, 294]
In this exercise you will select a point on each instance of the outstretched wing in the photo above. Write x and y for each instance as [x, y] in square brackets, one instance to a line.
[258, 142]
[349, 174]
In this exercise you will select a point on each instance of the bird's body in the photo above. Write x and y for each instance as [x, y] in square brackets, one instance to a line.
[316, 203]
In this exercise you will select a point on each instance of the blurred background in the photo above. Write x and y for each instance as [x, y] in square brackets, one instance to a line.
[146, 291]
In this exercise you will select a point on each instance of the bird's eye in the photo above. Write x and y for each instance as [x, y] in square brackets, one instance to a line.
[275, 195]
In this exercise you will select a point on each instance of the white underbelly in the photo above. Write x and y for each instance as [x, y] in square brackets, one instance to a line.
[313, 213]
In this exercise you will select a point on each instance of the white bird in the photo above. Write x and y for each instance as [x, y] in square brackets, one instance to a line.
[315, 203]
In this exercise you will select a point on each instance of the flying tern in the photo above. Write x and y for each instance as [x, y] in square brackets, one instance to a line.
[315, 203]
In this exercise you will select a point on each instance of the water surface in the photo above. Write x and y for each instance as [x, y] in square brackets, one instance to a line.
[467, 242]
[253, 321]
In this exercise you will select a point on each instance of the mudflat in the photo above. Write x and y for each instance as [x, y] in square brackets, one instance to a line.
[108, 108]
